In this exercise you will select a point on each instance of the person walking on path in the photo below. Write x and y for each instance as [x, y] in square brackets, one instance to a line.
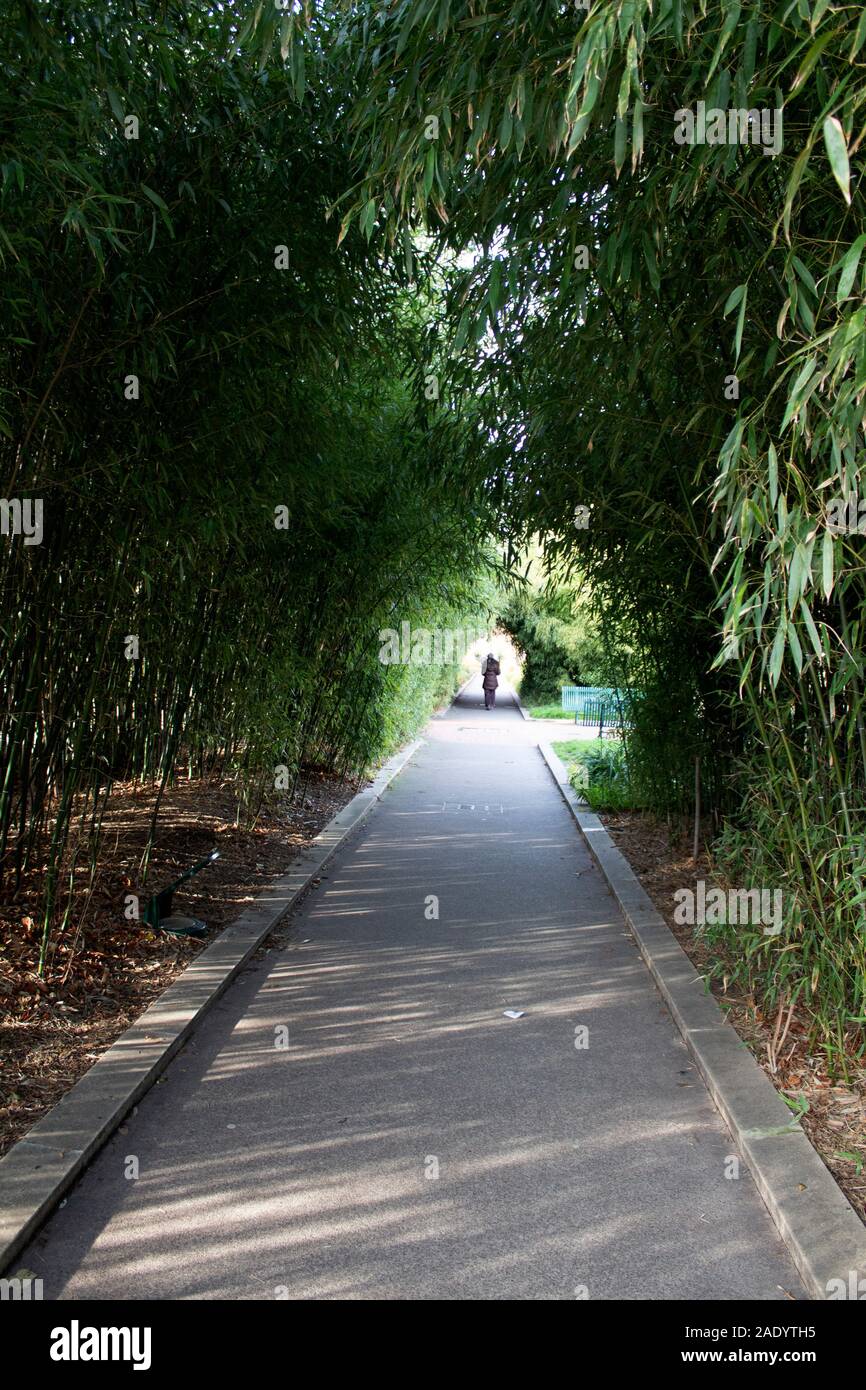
[489, 679]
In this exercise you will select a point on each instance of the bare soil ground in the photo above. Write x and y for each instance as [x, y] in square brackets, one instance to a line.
[835, 1119]
[102, 971]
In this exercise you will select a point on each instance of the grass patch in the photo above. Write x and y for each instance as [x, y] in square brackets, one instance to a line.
[597, 771]
[608, 796]
[574, 750]
[550, 712]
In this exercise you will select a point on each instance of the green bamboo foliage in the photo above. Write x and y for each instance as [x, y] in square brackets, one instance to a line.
[616, 283]
[607, 376]
[217, 409]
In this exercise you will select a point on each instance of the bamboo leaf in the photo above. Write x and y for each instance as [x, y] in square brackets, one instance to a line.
[850, 263]
[777, 653]
[773, 471]
[154, 198]
[827, 564]
[738, 337]
[115, 104]
[837, 153]
[809, 621]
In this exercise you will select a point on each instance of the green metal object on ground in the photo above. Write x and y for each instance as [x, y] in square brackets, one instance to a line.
[159, 906]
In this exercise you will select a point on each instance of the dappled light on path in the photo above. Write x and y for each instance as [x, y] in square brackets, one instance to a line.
[411, 1140]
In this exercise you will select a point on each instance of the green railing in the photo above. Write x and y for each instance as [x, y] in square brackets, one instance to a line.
[596, 705]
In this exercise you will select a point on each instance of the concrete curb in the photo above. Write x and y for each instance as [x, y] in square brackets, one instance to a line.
[823, 1232]
[37, 1170]
[527, 717]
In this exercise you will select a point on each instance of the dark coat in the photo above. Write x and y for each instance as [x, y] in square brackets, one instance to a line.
[490, 679]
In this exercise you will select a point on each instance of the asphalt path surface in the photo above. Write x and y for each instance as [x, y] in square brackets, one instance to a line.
[357, 1118]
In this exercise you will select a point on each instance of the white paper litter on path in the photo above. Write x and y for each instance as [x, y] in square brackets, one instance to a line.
[513, 1013]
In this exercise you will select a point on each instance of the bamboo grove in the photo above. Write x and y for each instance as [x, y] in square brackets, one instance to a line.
[239, 480]
[666, 329]
[664, 332]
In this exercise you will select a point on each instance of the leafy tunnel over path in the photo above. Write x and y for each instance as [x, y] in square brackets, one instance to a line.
[407, 278]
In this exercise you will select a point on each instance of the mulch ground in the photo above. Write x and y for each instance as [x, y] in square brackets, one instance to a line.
[103, 971]
[835, 1119]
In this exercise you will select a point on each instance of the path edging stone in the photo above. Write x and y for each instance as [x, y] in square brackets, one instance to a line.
[519, 704]
[42, 1166]
[821, 1229]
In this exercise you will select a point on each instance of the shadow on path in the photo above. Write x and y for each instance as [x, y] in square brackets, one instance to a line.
[410, 1141]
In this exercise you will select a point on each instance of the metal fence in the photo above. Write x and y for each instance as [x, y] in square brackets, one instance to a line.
[596, 705]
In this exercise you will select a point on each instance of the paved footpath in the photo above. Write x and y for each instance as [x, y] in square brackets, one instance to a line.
[411, 1141]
